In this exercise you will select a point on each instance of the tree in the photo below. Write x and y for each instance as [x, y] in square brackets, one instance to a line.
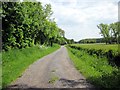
[114, 29]
[10, 24]
[104, 31]
[28, 23]
[110, 32]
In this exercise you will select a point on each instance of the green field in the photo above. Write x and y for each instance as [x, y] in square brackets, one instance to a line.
[100, 50]
[96, 69]
[17, 60]
[103, 47]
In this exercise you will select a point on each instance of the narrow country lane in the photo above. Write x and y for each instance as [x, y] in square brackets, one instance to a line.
[55, 70]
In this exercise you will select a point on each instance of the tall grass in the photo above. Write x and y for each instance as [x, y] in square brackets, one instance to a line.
[17, 60]
[96, 70]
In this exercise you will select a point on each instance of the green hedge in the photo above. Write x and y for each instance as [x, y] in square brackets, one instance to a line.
[111, 54]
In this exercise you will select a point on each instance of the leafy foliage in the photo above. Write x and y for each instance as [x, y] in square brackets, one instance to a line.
[28, 23]
[110, 32]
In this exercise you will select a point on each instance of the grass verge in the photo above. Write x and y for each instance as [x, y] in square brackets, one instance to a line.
[96, 70]
[17, 60]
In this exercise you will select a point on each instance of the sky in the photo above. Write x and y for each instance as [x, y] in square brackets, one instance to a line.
[79, 18]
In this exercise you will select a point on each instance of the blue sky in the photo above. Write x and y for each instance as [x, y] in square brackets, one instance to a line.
[79, 18]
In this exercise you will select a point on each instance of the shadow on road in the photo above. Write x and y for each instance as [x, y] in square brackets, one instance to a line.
[66, 85]
[73, 83]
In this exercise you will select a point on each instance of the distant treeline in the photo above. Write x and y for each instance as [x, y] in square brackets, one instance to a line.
[92, 40]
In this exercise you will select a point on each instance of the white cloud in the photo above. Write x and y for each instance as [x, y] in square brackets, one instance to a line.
[79, 17]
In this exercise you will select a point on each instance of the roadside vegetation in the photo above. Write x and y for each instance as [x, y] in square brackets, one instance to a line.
[96, 69]
[17, 60]
[28, 23]
[101, 50]
[25, 24]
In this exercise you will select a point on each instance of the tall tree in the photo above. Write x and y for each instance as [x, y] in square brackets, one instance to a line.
[28, 23]
[114, 30]
[110, 32]
[104, 31]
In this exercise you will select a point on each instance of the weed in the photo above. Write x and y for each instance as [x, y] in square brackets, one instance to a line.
[53, 79]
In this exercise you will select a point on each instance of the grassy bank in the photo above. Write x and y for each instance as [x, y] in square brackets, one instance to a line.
[101, 50]
[98, 49]
[17, 60]
[96, 70]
